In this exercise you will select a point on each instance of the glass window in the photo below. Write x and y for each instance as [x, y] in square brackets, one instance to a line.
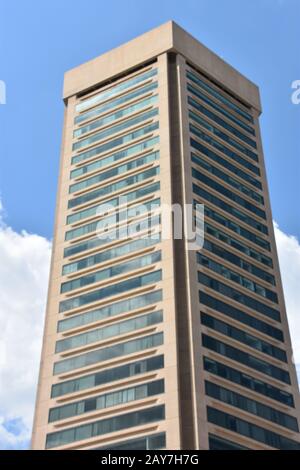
[98, 428]
[240, 316]
[134, 210]
[202, 193]
[112, 271]
[196, 92]
[245, 358]
[109, 331]
[107, 353]
[228, 179]
[107, 400]
[235, 277]
[233, 226]
[114, 129]
[247, 381]
[236, 260]
[133, 228]
[114, 90]
[105, 161]
[104, 190]
[108, 375]
[109, 291]
[218, 443]
[214, 117]
[114, 103]
[111, 310]
[114, 202]
[95, 151]
[119, 170]
[243, 337]
[194, 77]
[153, 442]
[115, 252]
[239, 297]
[250, 430]
[205, 150]
[227, 193]
[222, 135]
[208, 139]
[109, 118]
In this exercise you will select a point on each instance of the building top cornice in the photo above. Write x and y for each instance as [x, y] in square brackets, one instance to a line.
[168, 37]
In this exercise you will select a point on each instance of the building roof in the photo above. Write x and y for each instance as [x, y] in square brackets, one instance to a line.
[168, 37]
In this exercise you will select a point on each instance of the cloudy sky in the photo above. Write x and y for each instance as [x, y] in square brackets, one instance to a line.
[38, 42]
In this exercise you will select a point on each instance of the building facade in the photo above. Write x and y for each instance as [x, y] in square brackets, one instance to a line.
[149, 344]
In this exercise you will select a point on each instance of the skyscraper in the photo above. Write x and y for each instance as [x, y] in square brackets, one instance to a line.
[149, 344]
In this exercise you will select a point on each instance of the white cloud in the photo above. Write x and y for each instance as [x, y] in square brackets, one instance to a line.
[288, 248]
[24, 267]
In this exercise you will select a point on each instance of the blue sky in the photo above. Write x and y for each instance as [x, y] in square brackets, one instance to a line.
[39, 41]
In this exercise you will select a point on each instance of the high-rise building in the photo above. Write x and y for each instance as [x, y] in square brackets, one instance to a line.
[149, 344]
